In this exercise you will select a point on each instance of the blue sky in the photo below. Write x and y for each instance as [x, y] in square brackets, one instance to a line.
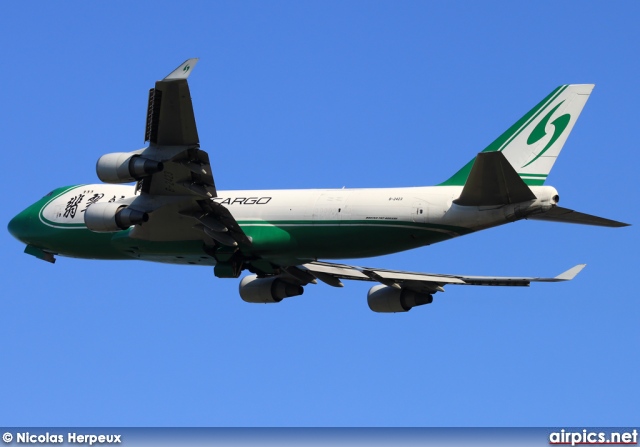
[313, 95]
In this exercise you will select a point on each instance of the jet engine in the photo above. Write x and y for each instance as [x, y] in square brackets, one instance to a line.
[125, 167]
[388, 299]
[267, 290]
[110, 217]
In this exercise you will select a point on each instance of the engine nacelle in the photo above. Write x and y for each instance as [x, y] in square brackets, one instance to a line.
[267, 290]
[125, 167]
[388, 299]
[110, 217]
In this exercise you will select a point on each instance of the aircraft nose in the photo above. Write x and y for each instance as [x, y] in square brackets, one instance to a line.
[20, 226]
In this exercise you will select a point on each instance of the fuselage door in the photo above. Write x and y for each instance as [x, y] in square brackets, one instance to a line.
[419, 211]
[328, 208]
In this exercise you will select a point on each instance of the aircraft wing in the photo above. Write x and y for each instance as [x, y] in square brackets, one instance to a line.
[177, 198]
[420, 282]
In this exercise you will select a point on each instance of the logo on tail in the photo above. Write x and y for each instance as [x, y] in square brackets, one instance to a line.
[559, 125]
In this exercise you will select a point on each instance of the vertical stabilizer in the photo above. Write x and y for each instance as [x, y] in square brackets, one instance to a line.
[534, 142]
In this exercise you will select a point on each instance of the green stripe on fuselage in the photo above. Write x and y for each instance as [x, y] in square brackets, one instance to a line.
[342, 239]
[292, 239]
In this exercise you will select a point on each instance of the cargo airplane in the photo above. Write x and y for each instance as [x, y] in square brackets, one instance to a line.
[171, 211]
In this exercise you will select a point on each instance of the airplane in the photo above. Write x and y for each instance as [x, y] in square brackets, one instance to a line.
[160, 203]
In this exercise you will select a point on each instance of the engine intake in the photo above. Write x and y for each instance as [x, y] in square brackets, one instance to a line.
[267, 290]
[125, 167]
[112, 217]
[388, 299]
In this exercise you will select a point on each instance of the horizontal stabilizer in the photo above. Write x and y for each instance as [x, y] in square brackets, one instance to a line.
[559, 214]
[493, 181]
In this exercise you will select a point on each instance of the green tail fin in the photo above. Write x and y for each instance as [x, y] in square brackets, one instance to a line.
[534, 142]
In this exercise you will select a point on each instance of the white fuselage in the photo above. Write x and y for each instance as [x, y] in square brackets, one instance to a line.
[314, 223]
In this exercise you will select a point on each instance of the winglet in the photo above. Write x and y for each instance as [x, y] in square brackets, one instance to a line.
[571, 273]
[183, 71]
[170, 119]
